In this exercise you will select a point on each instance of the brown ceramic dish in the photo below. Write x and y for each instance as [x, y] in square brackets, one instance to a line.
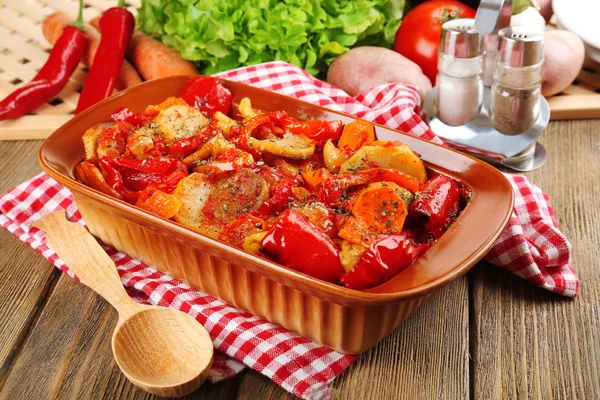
[343, 319]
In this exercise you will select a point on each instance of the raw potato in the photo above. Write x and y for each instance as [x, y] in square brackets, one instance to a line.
[399, 157]
[563, 59]
[530, 18]
[363, 68]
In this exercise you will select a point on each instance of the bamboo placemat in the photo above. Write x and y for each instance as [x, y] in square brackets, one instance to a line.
[23, 50]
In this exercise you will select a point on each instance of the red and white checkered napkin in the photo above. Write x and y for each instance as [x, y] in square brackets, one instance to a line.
[531, 246]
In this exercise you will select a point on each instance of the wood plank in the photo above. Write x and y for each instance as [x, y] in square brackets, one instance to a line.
[26, 276]
[425, 358]
[68, 354]
[574, 106]
[530, 343]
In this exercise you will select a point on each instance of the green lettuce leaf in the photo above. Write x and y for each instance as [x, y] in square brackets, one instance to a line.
[223, 34]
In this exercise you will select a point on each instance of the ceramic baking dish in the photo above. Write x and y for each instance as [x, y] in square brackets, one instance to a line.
[346, 320]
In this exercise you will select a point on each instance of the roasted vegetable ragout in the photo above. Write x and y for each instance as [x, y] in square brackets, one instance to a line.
[320, 197]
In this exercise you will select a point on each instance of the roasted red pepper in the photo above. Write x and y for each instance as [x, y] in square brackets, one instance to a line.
[384, 259]
[438, 204]
[115, 180]
[238, 229]
[130, 176]
[125, 114]
[52, 77]
[319, 131]
[185, 146]
[294, 242]
[331, 191]
[137, 174]
[116, 26]
[281, 194]
[207, 95]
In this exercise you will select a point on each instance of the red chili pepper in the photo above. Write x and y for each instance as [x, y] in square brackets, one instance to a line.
[51, 78]
[294, 242]
[438, 203]
[319, 131]
[124, 114]
[207, 95]
[384, 259]
[116, 26]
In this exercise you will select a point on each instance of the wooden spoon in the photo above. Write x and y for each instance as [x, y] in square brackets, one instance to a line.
[161, 350]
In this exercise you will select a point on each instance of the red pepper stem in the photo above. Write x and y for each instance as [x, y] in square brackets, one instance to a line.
[78, 23]
[121, 3]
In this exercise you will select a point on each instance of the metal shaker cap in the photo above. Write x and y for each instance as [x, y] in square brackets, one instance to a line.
[520, 46]
[460, 39]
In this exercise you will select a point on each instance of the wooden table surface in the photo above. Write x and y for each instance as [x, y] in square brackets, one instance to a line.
[489, 335]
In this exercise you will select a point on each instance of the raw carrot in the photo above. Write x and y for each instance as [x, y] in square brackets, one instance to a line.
[154, 59]
[52, 28]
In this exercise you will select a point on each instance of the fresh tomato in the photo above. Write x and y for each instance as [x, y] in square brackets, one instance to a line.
[207, 94]
[419, 36]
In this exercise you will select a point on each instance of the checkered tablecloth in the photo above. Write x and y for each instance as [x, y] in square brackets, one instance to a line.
[531, 247]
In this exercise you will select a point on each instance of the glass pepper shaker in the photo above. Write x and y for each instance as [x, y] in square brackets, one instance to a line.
[515, 102]
[459, 82]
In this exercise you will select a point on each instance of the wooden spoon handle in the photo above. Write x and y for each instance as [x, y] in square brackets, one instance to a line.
[87, 259]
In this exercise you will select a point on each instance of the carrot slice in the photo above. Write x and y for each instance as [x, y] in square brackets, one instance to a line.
[381, 210]
[356, 134]
[159, 202]
[354, 231]
[314, 178]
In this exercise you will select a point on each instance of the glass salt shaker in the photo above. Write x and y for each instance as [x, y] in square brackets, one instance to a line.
[515, 102]
[459, 82]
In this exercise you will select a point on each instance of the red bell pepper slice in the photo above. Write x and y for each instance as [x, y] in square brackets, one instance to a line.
[331, 191]
[207, 94]
[385, 258]
[185, 146]
[115, 180]
[124, 114]
[294, 242]
[130, 176]
[318, 131]
[438, 204]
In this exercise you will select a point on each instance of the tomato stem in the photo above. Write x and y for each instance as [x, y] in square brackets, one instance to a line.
[449, 15]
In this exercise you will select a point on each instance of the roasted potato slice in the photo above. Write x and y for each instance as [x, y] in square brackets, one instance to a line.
[224, 123]
[333, 157]
[298, 147]
[179, 121]
[140, 141]
[91, 139]
[245, 108]
[244, 192]
[193, 192]
[252, 243]
[397, 156]
[350, 254]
